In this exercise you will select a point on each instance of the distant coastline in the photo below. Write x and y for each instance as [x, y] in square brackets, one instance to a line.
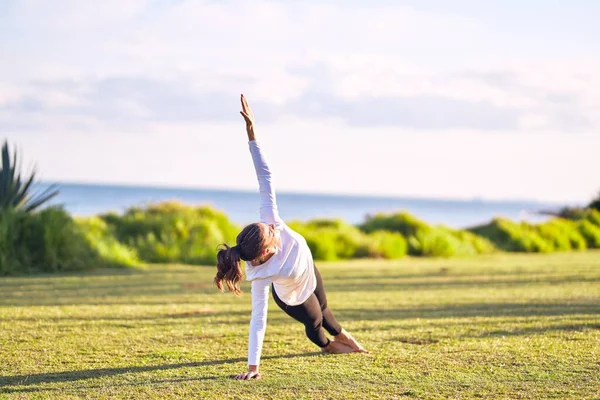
[240, 205]
[475, 199]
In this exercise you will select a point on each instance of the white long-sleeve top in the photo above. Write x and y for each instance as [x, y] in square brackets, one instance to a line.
[290, 269]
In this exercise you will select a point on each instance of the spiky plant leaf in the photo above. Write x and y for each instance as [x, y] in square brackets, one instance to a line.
[16, 190]
[4, 174]
[40, 199]
[22, 194]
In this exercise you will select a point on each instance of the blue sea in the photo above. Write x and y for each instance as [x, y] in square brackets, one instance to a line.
[242, 206]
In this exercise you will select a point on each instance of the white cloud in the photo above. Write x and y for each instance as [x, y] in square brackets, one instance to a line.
[98, 69]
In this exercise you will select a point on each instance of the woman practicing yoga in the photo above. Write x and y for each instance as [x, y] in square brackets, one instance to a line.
[276, 255]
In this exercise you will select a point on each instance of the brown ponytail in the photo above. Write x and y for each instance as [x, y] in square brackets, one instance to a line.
[229, 269]
[250, 243]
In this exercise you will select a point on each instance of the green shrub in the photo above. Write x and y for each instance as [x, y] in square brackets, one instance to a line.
[334, 239]
[570, 229]
[383, 244]
[562, 234]
[44, 241]
[510, 236]
[417, 232]
[478, 244]
[323, 244]
[445, 242]
[334, 223]
[427, 240]
[593, 216]
[173, 232]
[12, 252]
[403, 223]
[347, 238]
[590, 232]
[101, 238]
[554, 236]
[579, 214]
[433, 243]
[329, 240]
[51, 241]
[55, 242]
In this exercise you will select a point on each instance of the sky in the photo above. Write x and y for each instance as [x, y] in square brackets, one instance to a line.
[453, 99]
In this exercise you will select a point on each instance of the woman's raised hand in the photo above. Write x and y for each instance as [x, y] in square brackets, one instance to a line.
[248, 117]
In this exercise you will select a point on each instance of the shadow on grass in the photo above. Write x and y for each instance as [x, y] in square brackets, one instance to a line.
[481, 281]
[139, 286]
[426, 339]
[528, 309]
[153, 269]
[533, 330]
[120, 293]
[71, 376]
[200, 313]
[88, 387]
[76, 290]
[41, 278]
[428, 312]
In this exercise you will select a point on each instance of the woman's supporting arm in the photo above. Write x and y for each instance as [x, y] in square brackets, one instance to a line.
[258, 322]
[258, 327]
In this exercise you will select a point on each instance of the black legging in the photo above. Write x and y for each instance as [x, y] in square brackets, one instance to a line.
[314, 314]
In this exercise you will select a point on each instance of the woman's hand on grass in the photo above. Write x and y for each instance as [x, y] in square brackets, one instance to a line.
[251, 374]
[247, 376]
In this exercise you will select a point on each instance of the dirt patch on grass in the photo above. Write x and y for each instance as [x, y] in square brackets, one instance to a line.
[187, 314]
[417, 341]
[196, 285]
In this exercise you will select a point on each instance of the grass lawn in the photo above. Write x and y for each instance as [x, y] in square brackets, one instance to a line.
[502, 326]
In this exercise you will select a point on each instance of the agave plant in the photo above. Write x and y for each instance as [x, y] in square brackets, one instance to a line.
[16, 191]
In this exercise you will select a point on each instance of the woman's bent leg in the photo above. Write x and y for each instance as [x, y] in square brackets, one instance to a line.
[309, 313]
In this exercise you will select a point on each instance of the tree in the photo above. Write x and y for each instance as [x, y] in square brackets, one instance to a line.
[595, 204]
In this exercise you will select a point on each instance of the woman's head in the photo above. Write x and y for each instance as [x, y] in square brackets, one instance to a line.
[255, 243]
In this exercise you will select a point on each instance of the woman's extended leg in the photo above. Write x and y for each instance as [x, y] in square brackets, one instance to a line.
[329, 322]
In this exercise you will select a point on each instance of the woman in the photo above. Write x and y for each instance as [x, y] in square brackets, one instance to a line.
[276, 255]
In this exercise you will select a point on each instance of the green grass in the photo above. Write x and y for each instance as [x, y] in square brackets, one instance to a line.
[498, 326]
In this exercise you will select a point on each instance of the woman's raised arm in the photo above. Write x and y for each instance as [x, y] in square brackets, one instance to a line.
[269, 213]
[249, 117]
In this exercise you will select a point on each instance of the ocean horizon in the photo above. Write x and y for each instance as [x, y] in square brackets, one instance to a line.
[241, 206]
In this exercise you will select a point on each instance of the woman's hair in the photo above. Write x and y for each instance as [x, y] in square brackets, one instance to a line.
[250, 243]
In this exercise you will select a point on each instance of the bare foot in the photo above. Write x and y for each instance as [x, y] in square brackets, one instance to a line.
[346, 338]
[337, 348]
